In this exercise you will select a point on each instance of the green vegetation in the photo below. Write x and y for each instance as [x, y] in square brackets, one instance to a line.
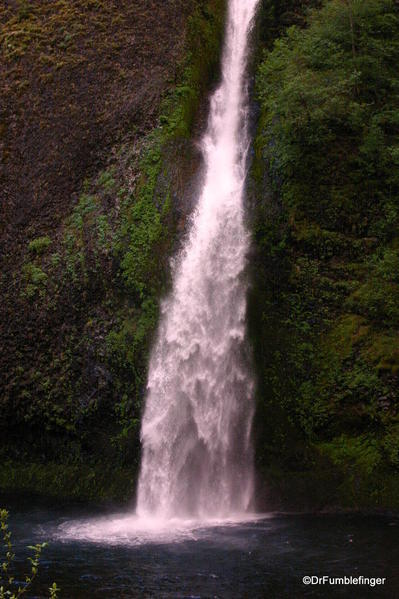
[6, 567]
[53, 31]
[326, 229]
[76, 402]
[101, 482]
[324, 304]
[36, 280]
[39, 245]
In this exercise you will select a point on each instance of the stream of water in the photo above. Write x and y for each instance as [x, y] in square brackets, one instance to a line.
[196, 430]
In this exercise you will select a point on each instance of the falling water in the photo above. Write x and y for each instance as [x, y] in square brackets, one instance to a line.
[197, 453]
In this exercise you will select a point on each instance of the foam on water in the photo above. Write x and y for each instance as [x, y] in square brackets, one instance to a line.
[127, 529]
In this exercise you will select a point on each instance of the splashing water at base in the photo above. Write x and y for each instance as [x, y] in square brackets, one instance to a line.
[197, 454]
[133, 530]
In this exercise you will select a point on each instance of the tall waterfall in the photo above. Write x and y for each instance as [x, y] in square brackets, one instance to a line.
[197, 454]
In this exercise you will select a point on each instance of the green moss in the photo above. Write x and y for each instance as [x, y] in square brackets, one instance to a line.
[378, 300]
[35, 279]
[125, 344]
[359, 455]
[148, 229]
[391, 444]
[143, 227]
[358, 459]
[347, 333]
[78, 482]
[39, 245]
[313, 99]
[104, 278]
[323, 310]
[29, 28]
[378, 297]
[106, 180]
[205, 28]
[383, 352]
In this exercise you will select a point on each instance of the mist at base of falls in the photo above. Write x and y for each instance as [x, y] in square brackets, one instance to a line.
[126, 529]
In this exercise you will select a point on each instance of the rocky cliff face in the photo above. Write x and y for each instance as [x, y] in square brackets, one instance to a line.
[97, 114]
[77, 76]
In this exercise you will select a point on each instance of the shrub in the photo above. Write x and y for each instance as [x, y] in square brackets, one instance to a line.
[7, 580]
[39, 245]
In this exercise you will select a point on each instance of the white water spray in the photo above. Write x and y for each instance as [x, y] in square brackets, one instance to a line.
[197, 454]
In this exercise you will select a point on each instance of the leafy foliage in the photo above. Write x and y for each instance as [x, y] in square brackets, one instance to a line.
[6, 577]
[39, 245]
[326, 231]
[328, 99]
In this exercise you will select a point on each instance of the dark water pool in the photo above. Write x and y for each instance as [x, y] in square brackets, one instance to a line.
[90, 556]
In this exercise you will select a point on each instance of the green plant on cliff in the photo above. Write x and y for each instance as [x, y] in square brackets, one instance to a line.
[35, 279]
[39, 245]
[319, 91]
[78, 396]
[326, 228]
[7, 580]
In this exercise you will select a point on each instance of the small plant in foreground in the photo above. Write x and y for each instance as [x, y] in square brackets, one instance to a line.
[6, 578]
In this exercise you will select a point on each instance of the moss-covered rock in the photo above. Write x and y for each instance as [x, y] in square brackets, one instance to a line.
[86, 304]
[324, 306]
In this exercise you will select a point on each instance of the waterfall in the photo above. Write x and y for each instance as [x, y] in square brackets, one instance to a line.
[197, 457]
